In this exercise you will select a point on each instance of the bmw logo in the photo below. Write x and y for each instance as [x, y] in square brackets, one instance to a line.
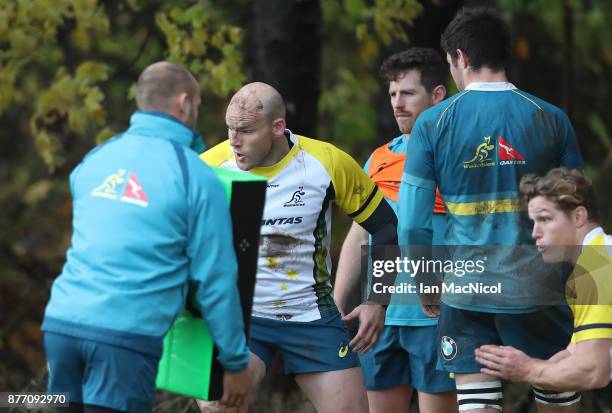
[448, 348]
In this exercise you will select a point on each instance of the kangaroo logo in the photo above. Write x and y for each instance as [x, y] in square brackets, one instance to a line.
[109, 186]
[296, 199]
[481, 156]
[508, 155]
[509, 150]
[119, 187]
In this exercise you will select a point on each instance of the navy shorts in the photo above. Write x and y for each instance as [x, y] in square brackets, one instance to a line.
[101, 374]
[405, 355]
[539, 334]
[306, 347]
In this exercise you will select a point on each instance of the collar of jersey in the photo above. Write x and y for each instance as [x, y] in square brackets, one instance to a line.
[273, 170]
[490, 86]
[588, 238]
[161, 125]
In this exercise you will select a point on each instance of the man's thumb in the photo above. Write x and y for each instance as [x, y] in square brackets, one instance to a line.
[352, 315]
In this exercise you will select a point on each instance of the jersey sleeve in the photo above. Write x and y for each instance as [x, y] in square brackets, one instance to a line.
[218, 154]
[590, 296]
[419, 169]
[417, 191]
[356, 193]
[214, 267]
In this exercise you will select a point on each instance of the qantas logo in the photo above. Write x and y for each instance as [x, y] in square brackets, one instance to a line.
[484, 154]
[123, 187]
[507, 154]
[282, 221]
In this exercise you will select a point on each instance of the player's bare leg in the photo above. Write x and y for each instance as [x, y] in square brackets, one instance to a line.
[335, 391]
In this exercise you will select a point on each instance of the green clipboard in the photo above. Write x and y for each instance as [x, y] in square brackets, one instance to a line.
[188, 364]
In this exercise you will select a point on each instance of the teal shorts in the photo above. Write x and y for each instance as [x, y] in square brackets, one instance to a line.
[405, 355]
[100, 374]
[306, 347]
[539, 334]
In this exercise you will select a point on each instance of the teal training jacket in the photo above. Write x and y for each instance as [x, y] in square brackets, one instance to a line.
[149, 220]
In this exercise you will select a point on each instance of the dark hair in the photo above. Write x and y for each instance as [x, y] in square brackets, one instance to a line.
[567, 189]
[427, 62]
[482, 35]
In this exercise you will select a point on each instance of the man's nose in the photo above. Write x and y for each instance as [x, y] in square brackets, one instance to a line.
[536, 232]
[233, 138]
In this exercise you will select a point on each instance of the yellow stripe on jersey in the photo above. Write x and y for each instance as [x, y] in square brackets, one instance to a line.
[486, 207]
[591, 284]
[356, 193]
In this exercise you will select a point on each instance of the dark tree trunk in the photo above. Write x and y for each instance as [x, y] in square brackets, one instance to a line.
[284, 50]
[568, 76]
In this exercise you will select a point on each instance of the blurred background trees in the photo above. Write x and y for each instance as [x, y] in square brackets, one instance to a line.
[68, 69]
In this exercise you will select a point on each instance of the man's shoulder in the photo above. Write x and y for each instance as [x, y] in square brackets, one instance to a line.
[333, 159]
[314, 145]
[435, 113]
[538, 102]
[323, 151]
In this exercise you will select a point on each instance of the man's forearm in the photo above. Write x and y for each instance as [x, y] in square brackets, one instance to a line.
[567, 371]
[349, 265]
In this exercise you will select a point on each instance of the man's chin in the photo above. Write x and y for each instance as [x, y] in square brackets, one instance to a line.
[404, 127]
[552, 255]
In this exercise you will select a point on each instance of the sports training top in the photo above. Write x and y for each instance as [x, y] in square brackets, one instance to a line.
[590, 288]
[475, 146]
[149, 219]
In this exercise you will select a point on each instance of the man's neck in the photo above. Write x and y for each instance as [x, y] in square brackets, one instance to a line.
[584, 231]
[485, 75]
[581, 234]
[280, 148]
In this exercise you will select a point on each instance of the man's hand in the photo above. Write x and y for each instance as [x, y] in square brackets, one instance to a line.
[504, 362]
[371, 318]
[236, 390]
[430, 304]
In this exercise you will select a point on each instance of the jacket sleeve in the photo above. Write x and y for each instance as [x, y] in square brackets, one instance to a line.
[214, 267]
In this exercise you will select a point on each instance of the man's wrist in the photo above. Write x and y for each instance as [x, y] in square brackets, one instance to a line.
[533, 371]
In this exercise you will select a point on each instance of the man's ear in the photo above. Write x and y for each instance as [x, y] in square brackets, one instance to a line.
[182, 103]
[463, 61]
[581, 216]
[278, 126]
[438, 94]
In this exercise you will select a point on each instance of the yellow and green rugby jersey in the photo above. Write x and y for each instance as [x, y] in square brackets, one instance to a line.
[589, 290]
[294, 267]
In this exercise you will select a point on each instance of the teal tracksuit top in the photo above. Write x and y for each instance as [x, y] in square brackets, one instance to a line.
[150, 219]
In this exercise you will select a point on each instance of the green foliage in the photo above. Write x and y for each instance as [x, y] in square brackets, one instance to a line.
[355, 31]
[58, 56]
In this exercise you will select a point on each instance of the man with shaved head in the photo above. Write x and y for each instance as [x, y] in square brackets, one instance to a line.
[144, 228]
[294, 313]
